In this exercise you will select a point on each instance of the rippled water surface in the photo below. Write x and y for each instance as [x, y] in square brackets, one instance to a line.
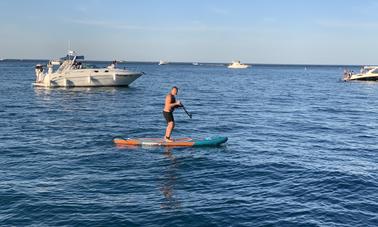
[302, 149]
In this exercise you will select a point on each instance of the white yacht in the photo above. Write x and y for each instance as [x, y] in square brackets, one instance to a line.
[161, 62]
[73, 73]
[237, 65]
[366, 73]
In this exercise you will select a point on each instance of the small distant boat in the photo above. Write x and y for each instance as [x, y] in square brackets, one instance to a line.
[161, 62]
[195, 63]
[367, 73]
[237, 65]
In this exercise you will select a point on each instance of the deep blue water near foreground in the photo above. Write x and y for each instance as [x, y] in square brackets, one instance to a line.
[302, 150]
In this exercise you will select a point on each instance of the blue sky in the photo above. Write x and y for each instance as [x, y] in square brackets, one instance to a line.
[253, 31]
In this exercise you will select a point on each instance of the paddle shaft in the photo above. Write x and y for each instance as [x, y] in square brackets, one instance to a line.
[189, 114]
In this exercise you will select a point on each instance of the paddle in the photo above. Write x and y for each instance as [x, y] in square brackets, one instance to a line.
[189, 114]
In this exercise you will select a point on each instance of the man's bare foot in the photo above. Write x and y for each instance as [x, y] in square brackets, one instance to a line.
[166, 139]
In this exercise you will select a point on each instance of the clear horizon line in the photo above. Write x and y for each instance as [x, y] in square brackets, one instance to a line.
[189, 62]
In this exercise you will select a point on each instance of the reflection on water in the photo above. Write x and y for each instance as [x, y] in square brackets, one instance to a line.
[84, 98]
[169, 181]
[74, 90]
[169, 177]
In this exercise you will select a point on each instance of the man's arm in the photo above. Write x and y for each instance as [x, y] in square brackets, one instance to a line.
[168, 100]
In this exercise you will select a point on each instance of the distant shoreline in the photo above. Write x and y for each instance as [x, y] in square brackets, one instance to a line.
[200, 63]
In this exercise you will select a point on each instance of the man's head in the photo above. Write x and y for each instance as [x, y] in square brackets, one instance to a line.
[174, 90]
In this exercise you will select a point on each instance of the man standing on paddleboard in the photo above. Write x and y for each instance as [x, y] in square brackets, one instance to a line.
[169, 107]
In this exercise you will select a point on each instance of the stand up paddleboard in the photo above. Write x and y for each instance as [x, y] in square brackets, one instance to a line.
[180, 142]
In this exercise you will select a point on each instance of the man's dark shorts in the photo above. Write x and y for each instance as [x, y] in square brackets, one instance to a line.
[168, 116]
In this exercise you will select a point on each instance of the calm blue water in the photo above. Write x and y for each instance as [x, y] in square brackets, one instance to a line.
[302, 150]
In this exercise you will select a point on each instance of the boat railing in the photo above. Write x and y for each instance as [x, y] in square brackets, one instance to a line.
[65, 66]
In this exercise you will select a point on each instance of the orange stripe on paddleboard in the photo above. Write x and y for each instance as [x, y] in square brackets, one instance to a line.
[178, 144]
[127, 142]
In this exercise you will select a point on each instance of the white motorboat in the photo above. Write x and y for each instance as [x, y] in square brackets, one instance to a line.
[73, 73]
[366, 73]
[237, 65]
[161, 62]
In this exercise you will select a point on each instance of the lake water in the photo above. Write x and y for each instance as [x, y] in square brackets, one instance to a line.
[302, 149]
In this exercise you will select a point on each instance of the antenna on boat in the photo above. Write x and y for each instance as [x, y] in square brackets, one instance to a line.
[70, 52]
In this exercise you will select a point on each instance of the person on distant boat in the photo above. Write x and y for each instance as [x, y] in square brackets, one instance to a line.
[75, 65]
[113, 65]
[170, 104]
[346, 74]
[39, 73]
[49, 68]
